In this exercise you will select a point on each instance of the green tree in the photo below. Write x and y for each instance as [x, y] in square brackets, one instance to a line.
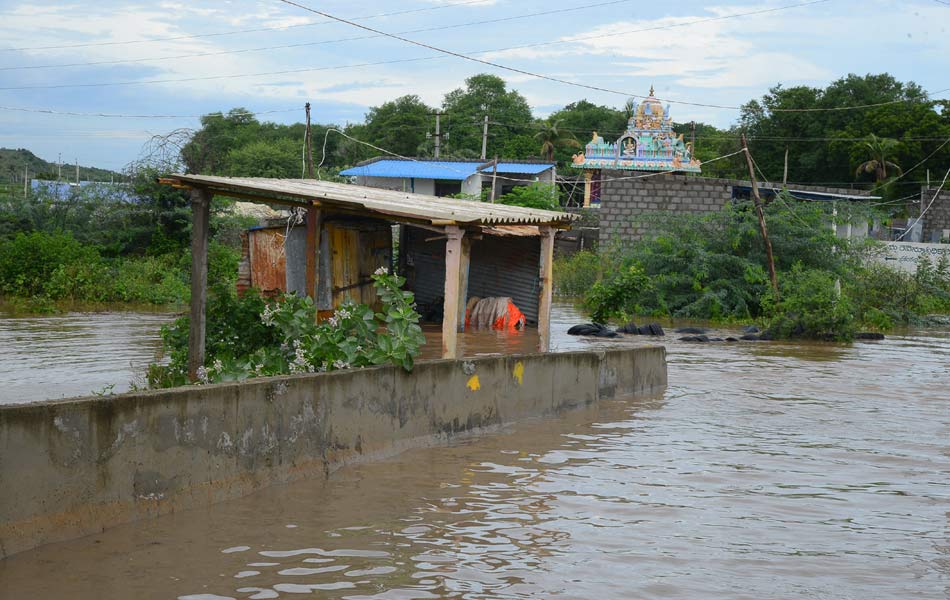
[465, 109]
[881, 150]
[267, 158]
[551, 136]
[399, 125]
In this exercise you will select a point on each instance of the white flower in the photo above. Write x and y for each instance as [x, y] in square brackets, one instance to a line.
[382, 271]
[218, 365]
[202, 374]
[339, 364]
[267, 317]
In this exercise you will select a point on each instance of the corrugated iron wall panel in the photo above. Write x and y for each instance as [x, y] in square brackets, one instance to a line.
[268, 260]
[499, 267]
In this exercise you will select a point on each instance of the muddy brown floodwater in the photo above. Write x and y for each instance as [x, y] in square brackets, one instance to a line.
[765, 471]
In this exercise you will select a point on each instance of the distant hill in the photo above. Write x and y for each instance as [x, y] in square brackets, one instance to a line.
[12, 163]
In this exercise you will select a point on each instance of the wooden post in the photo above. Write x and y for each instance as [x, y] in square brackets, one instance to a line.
[494, 177]
[314, 223]
[454, 251]
[761, 215]
[200, 210]
[587, 177]
[547, 287]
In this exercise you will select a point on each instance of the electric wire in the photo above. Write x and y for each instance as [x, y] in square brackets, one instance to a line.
[923, 212]
[317, 43]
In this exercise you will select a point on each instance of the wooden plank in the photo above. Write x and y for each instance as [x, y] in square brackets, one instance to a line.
[200, 211]
[464, 262]
[313, 246]
[547, 287]
[453, 263]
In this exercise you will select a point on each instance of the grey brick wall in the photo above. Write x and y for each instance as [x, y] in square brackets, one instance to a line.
[623, 201]
[937, 217]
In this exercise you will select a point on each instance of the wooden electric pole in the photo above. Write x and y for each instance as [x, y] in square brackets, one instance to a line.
[485, 138]
[309, 144]
[761, 215]
[494, 177]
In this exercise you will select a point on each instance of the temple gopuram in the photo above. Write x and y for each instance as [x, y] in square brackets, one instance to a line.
[648, 144]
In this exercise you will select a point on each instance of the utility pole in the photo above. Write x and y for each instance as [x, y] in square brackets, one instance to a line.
[438, 133]
[77, 171]
[785, 173]
[485, 138]
[494, 177]
[26, 180]
[761, 215]
[692, 137]
[307, 141]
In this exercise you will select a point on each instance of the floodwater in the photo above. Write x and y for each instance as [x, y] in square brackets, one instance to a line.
[75, 354]
[764, 471]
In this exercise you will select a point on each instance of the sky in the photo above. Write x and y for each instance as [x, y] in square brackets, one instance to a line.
[189, 58]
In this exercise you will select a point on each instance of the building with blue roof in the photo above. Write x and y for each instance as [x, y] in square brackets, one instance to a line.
[437, 177]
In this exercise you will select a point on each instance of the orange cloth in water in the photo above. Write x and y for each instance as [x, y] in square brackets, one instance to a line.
[512, 318]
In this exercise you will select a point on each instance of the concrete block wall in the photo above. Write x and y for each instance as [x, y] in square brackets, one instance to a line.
[624, 200]
[937, 217]
[74, 467]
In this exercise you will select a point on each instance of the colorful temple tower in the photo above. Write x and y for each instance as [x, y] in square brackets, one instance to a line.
[648, 144]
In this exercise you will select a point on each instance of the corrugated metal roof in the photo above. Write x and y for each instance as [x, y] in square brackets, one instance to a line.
[396, 206]
[521, 168]
[421, 169]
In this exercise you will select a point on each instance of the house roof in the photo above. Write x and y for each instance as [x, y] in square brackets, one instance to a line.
[370, 201]
[419, 169]
[523, 168]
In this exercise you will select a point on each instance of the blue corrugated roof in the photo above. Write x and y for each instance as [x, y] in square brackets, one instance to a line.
[423, 169]
[523, 168]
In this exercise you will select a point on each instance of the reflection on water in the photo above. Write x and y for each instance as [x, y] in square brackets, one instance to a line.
[765, 471]
[75, 354]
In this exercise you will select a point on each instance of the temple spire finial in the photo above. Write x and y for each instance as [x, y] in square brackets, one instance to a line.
[651, 89]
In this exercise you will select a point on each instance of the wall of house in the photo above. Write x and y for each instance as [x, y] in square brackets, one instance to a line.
[74, 467]
[937, 218]
[387, 183]
[498, 266]
[622, 201]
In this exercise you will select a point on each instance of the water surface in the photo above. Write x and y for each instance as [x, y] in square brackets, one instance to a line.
[765, 471]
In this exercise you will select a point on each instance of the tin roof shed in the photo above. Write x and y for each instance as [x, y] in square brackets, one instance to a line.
[457, 222]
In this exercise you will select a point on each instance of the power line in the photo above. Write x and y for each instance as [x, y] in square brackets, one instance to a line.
[50, 111]
[239, 31]
[923, 212]
[318, 43]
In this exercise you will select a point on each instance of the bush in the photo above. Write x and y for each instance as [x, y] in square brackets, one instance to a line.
[812, 306]
[575, 275]
[28, 261]
[248, 338]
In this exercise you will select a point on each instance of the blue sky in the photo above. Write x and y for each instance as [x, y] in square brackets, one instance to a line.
[625, 46]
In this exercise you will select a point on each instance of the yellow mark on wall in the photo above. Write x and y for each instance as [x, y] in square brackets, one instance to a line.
[473, 383]
[518, 372]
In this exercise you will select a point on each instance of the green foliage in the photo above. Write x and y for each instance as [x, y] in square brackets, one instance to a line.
[464, 114]
[811, 307]
[576, 275]
[400, 125]
[247, 337]
[537, 195]
[267, 158]
[552, 136]
[621, 296]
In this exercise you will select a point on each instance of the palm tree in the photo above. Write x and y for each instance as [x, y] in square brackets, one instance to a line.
[551, 137]
[881, 151]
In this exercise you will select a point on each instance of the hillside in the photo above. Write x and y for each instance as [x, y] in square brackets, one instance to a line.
[12, 163]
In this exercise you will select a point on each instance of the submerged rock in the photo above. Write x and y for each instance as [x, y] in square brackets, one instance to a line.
[692, 330]
[868, 335]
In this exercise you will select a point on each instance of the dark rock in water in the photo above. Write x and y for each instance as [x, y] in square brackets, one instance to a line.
[868, 335]
[692, 338]
[750, 337]
[732, 339]
[750, 329]
[592, 329]
[629, 328]
[643, 330]
[655, 329]
[716, 339]
[767, 335]
[693, 330]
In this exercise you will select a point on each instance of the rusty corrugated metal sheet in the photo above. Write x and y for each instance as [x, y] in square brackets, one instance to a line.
[498, 267]
[268, 260]
[375, 201]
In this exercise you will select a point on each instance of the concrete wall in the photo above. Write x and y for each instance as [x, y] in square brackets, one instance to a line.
[903, 256]
[624, 200]
[73, 467]
[937, 218]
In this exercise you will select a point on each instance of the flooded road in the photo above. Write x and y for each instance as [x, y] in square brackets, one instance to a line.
[765, 471]
[75, 354]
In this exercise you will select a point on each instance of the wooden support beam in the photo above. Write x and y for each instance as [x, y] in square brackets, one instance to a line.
[464, 261]
[314, 223]
[450, 312]
[547, 288]
[200, 211]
